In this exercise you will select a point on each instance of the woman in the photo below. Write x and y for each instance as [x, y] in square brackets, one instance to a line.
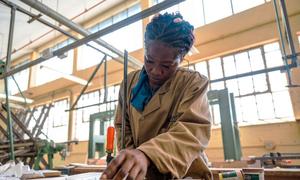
[168, 120]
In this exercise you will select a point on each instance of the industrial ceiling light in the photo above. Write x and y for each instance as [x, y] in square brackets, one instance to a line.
[16, 98]
[68, 76]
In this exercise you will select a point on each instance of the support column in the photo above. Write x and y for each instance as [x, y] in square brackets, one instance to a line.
[6, 83]
[33, 70]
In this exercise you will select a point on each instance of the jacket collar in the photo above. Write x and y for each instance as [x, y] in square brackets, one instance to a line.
[155, 102]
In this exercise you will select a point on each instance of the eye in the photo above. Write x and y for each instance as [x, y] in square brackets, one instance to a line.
[165, 66]
[149, 61]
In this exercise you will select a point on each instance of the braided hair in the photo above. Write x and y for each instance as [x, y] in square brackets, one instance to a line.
[172, 30]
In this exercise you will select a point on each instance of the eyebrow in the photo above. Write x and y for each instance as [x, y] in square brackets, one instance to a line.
[169, 61]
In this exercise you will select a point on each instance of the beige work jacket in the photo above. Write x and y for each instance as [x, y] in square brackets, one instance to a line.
[174, 128]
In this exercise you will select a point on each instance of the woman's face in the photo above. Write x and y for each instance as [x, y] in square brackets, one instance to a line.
[161, 62]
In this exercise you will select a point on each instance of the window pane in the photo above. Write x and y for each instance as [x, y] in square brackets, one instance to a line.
[229, 66]
[273, 59]
[58, 121]
[238, 109]
[265, 106]
[22, 79]
[256, 60]
[215, 69]
[83, 115]
[273, 55]
[278, 81]
[217, 85]
[196, 18]
[202, 68]
[260, 82]
[245, 85]
[242, 63]
[120, 16]
[191, 67]
[216, 9]
[283, 104]
[249, 109]
[216, 114]
[232, 86]
[241, 5]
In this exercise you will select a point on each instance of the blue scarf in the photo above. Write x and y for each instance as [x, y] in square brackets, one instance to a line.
[141, 93]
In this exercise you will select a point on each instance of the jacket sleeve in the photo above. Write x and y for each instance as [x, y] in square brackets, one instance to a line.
[129, 144]
[175, 150]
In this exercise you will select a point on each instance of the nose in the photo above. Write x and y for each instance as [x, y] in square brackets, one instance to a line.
[156, 71]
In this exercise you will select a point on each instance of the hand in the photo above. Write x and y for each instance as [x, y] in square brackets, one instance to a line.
[129, 164]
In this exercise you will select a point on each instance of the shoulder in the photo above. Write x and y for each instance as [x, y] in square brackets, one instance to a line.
[133, 76]
[190, 75]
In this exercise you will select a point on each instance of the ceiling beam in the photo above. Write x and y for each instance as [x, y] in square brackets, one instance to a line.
[145, 13]
[134, 63]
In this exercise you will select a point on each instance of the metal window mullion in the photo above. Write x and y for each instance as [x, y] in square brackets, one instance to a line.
[253, 86]
[239, 91]
[265, 64]
[223, 71]
[268, 79]
[231, 4]
[203, 10]
[237, 81]
[208, 72]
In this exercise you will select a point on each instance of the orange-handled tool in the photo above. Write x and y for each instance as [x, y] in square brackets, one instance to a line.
[110, 143]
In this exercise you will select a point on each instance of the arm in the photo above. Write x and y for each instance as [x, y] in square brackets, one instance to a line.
[175, 150]
[130, 163]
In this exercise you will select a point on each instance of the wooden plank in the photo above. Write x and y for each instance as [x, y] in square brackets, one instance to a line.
[39, 131]
[19, 136]
[38, 120]
[22, 126]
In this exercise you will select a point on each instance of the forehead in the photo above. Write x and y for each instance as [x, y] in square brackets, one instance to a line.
[161, 51]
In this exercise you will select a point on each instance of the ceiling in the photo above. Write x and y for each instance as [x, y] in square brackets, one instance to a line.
[27, 36]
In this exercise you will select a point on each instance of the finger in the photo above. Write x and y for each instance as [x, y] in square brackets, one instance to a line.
[133, 173]
[141, 175]
[113, 166]
[124, 169]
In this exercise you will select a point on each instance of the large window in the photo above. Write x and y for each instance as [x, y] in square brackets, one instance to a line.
[94, 97]
[21, 78]
[56, 122]
[209, 11]
[128, 37]
[259, 98]
[62, 64]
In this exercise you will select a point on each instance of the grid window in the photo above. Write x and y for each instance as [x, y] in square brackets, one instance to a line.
[88, 57]
[209, 11]
[242, 5]
[58, 121]
[95, 97]
[88, 99]
[215, 12]
[57, 113]
[259, 98]
[55, 123]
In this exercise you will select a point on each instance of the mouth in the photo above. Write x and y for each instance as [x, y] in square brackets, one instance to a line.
[155, 80]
